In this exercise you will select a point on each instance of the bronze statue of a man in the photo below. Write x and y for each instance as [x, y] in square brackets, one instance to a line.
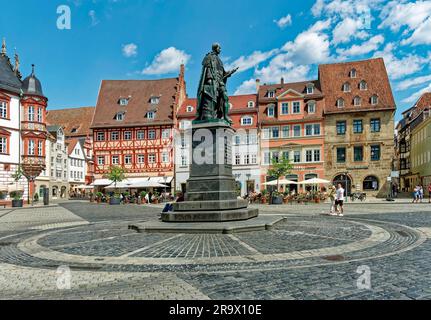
[213, 101]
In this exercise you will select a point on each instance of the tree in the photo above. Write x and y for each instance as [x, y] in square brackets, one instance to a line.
[280, 167]
[17, 175]
[116, 174]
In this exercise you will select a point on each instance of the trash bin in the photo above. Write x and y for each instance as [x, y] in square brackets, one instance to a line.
[46, 196]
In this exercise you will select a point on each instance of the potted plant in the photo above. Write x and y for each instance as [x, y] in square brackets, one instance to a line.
[115, 174]
[99, 196]
[280, 167]
[17, 201]
[156, 197]
[264, 196]
[143, 194]
[3, 194]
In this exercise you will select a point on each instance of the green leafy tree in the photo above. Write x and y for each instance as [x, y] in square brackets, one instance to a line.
[280, 168]
[116, 174]
[17, 175]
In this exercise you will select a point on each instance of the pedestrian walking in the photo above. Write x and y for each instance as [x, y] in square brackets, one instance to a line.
[416, 194]
[421, 193]
[339, 196]
[331, 196]
[429, 193]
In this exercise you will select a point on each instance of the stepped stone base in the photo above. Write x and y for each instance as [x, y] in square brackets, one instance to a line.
[208, 216]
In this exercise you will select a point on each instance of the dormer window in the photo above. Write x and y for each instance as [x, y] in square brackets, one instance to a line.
[346, 87]
[246, 121]
[250, 104]
[374, 100]
[310, 88]
[155, 100]
[151, 115]
[357, 101]
[353, 73]
[271, 111]
[190, 109]
[311, 106]
[124, 102]
[271, 94]
[363, 85]
[74, 130]
[340, 103]
[119, 116]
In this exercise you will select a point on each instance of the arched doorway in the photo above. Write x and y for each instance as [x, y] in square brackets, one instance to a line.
[63, 192]
[345, 181]
[55, 192]
[42, 190]
[370, 183]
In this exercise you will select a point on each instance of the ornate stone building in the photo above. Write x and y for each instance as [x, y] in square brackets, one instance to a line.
[359, 125]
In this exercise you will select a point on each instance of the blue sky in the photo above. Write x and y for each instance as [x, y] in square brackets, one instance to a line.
[148, 39]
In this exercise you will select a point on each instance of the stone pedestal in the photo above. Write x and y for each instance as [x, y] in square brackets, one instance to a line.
[211, 194]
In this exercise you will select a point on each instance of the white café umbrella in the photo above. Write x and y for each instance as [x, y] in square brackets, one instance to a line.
[147, 184]
[281, 182]
[314, 181]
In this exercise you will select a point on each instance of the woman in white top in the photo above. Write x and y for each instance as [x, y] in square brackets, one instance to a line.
[339, 199]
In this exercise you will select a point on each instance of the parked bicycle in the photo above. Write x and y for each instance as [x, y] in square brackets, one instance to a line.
[358, 196]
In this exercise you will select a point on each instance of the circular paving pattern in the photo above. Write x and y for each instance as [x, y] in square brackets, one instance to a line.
[297, 242]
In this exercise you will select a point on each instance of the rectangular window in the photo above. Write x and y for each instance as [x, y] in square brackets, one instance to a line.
[237, 140]
[297, 131]
[341, 127]
[100, 160]
[286, 131]
[285, 108]
[152, 134]
[276, 156]
[357, 126]
[286, 154]
[3, 145]
[100, 136]
[253, 159]
[128, 159]
[151, 115]
[358, 153]
[152, 158]
[39, 114]
[308, 129]
[375, 125]
[341, 155]
[375, 153]
[275, 132]
[140, 135]
[31, 147]
[165, 157]
[266, 157]
[141, 158]
[40, 148]
[266, 133]
[247, 159]
[253, 138]
[31, 113]
[297, 156]
[183, 161]
[316, 155]
[311, 107]
[308, 155]
[271, 94]
[296, 107]
[115, 160]
[3, 109]
[246, 121]
[166, 133]
[271, 111]
[237, 159]
[316, 129]
[114, 135]
[127, 135]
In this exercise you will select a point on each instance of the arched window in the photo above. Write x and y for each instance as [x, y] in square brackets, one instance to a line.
[271, 110]
[340, 102]
[346, 87]
[357, 101]
[374, 100]
[371, 183]
[250, 104]
[353, 73]
[363, 85]
[190, 108]
[311, 106]
[310, 88]
[119, 116]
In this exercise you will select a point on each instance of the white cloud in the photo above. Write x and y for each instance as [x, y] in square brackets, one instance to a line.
[347, 30]
[400, 67]
[130, 50]
[247, 87]
[310, 46]
[415, 96]
[94, 20]
[363, 48]
[317, 8]
[284, 22]
[167, 61]
[251, 61]
[422, 35]
[413, 82]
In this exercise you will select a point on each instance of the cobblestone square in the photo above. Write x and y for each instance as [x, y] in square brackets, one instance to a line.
[81, 250]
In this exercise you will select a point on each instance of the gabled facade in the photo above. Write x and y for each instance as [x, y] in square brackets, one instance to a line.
[133, 127]
[77, 164]
[291, 125]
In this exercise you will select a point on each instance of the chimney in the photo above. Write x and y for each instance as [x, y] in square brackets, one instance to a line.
[282, 81]
[257, 85]
[17, 64]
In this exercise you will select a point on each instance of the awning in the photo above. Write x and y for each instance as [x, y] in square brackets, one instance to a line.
[161, 179]
[315, 181]
[280, 182]
[101, 182]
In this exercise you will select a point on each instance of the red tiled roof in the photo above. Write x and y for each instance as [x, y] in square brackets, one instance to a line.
[72, 143]
[139, 93]
[373, 71]
[72, 119]
[423, 103]
[279, 88]
[239, 105]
